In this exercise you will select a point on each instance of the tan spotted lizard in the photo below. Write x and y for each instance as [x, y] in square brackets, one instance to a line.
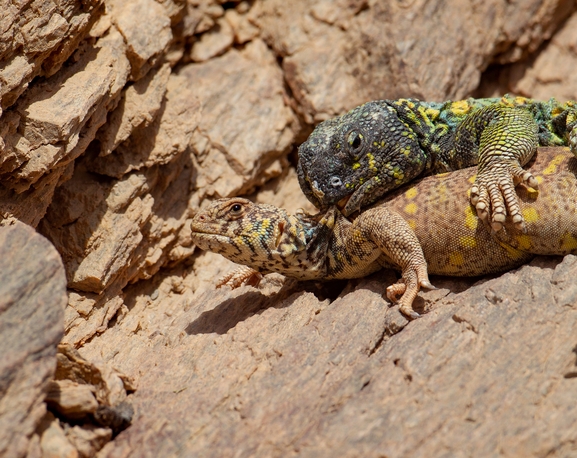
[429, 226]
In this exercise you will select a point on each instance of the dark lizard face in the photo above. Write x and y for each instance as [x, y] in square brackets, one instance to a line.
[355, 158]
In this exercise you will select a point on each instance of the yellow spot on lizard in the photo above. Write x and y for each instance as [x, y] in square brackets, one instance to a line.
[423, 112]
[513, 253]
[411, 193]
[460, 108]
[372, 162]
[411, 208]
[557, 111]
[412, 224]
[432, 113]
[471, 220]
[552, 167]
[530, 214]
[568, 242]
[472, 179]
[456, 259]
[468, 241]
[524, 242]
[356, 165]
[521, 100]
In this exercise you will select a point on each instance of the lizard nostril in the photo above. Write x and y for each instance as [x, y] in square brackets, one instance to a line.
[336, 182]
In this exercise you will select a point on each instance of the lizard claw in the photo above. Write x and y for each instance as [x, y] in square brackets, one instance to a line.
[493, 195]
[427, 284]
[407, 288]
[398, 289]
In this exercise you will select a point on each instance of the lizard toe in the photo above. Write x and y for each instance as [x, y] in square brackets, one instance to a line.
[474, 192]
[427, 284]
[496, 198]
[409, 312]
[481, 202]
[498, 206]
[396, 290]
[244, 275]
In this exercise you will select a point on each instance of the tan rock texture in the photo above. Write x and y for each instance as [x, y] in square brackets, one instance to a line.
[32, 301]
[120, 118]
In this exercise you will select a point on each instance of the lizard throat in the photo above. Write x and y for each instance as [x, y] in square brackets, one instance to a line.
[279, 234]
[341, 204]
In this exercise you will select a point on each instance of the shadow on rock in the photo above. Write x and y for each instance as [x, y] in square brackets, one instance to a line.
[233, 310]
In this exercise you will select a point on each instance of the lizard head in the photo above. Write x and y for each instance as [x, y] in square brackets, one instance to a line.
[256, 235]
[353, 159]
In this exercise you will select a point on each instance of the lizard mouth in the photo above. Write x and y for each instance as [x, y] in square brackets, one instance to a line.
[207, 233]
[341, 204]
[203, 228]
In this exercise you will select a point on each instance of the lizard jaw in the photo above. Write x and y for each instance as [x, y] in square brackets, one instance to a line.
[341, 204]
[206, 237]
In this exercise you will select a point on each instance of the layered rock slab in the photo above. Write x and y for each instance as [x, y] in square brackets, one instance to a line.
[32, 300]
[280, 372]
[431, 50]
[246, 127]
[36, 38]
[549, 73]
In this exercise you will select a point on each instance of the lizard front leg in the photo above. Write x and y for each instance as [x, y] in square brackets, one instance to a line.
[507, 138]
[243, 275]
[393, 236]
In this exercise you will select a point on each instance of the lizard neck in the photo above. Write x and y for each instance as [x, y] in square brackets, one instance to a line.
[302, 246]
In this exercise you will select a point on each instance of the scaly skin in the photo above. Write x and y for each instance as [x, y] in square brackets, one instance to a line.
[382, 145]
[427, 226]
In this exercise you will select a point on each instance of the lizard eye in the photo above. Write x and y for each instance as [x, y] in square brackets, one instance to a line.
[235, 209]
[355, 140]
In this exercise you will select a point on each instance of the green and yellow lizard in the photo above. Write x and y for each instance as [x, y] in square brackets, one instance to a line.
[354, 159]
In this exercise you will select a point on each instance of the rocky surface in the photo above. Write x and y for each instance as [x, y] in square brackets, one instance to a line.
[121, 118]
[32, 301]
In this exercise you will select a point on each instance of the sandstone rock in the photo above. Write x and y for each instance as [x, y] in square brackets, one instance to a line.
[349, 376]
[242, 28]
[71, 399]
[88, 440]
[214, 42]
[54, 444]
[108, 123]
[36, 37]
[145, 27]
[30, 206]
[548, 74]
[138, 106]
[53, 123]
[56, 120]
[377, 50]
[32, 299]
[159, 140]
[245, 126]
[115, 222]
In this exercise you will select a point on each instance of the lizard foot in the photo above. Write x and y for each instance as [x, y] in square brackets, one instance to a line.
[407, 288]
[242, 276]
[493, 195]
